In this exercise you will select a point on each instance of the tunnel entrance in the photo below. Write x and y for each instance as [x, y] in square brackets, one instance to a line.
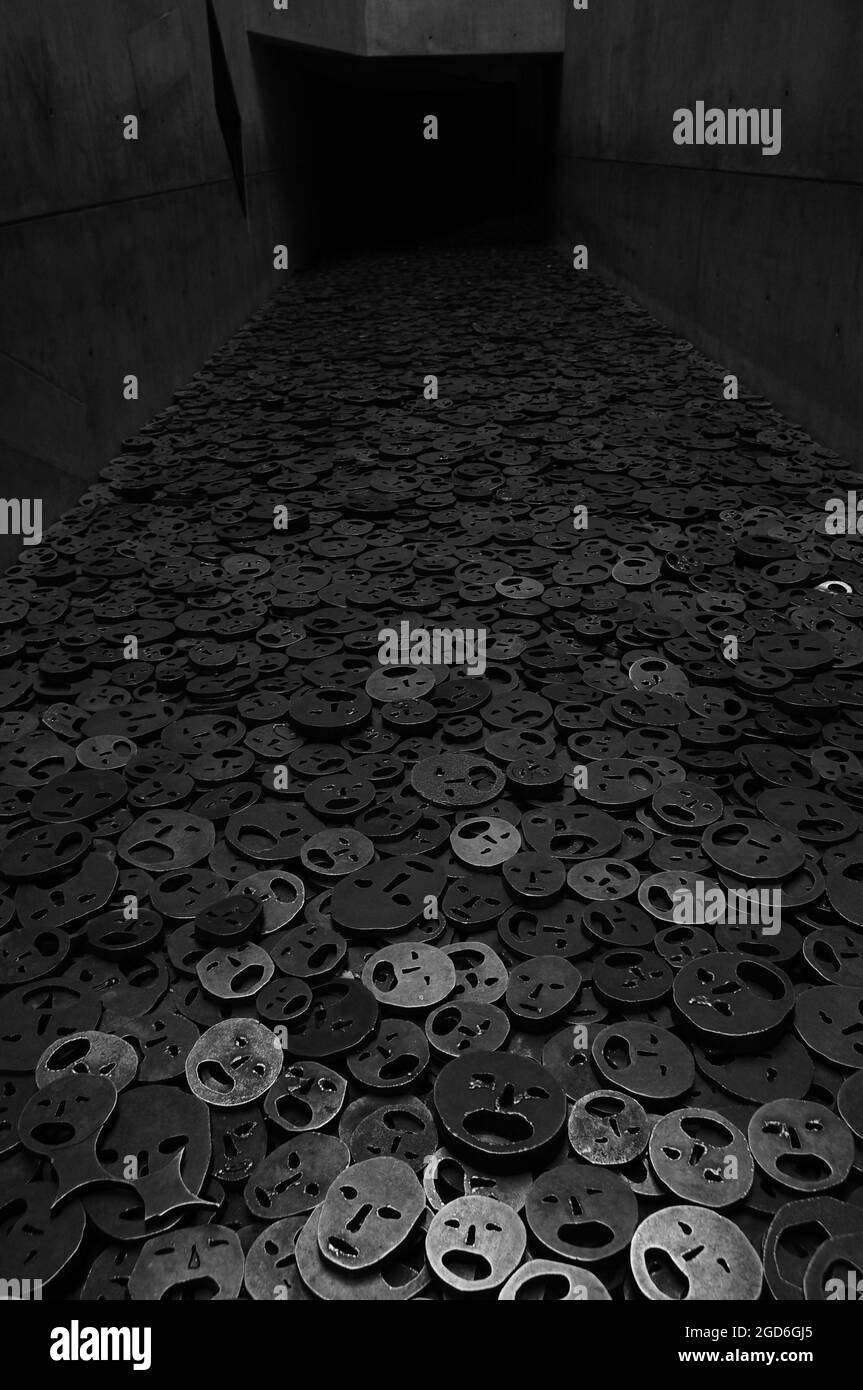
[367, 171]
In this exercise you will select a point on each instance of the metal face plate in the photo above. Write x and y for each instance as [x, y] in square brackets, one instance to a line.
[502, 1108]
[234, 1062]
[368, 1215]
[295, 1177]
[706, 1257]
[474, 1244]
[580, 1214]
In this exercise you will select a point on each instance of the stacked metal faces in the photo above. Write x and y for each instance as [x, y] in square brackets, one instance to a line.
[361, 733]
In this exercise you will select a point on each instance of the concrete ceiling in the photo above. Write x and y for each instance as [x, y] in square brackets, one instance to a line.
[402, 28]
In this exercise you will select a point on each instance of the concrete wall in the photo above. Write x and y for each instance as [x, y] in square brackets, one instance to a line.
[463, 26]
[118, 256]
[416, 28]
[758, 260]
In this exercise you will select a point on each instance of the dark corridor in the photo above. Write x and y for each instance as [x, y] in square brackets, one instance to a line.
[431, 676]
[370, 177]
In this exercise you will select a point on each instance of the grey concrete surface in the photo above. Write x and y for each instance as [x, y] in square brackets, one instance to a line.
[758, 260]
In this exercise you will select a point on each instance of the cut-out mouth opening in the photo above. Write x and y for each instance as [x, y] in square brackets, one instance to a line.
[450, 1182]
[729, 836]
[235, 1169]
[69, 1053]
[399, 1067]
[665, 1274]
[247, 979]
[213, 1075]
[492, 1127]
[467, 1265]
[384, 977]
[342, 1248]
[257, 842]
[47, 944]
[401, 1272]
[198, 1290]
[294, 1111]
[795, 1248]
[466, 960]
[851, 1275]
[320, 858]
[586, 1235]
[402, 1122]
[808, 1168]
[623, 960]
[760, 981]
[616, 1054]
[115, 938]
[679, 936]
[708, 1133]
[446, 1023]
[548, 1287]
[321, 956]
[603, 1107]
[53, 1133]
[292, 1004]
[152, 853]
[571, 844]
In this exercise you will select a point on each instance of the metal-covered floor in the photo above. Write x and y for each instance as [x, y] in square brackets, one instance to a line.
[378, 968]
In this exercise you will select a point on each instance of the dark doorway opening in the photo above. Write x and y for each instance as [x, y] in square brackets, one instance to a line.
[364, 173]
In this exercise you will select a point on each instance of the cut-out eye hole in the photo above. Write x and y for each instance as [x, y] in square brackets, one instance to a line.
[453, 1225]
[490, 1226]
[349, 1193]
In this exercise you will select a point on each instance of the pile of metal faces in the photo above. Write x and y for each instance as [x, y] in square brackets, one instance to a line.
[431, 806]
